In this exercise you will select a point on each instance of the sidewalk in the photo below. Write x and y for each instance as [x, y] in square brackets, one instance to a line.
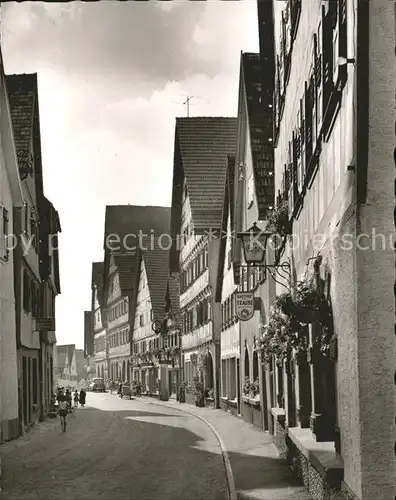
[258, 471]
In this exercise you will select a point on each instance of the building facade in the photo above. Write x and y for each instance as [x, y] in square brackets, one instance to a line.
[89, 347]
[231, 386]
[36, 272]
[154, 353]
[127, 229]
[145, 342]
[202, 146]
[333, 137]
[99, 332]
[10, 196]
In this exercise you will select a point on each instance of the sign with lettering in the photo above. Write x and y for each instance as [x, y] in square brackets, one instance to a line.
[45, 324]
[244, 302]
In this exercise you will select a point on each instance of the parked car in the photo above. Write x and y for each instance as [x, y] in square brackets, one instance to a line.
[97, 385]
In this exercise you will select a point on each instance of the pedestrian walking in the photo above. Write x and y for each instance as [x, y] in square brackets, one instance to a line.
[76, 398]
[62, 401]
[82, 398]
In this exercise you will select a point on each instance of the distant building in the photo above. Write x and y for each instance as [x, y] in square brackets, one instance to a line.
[89, 354]
[148, 347]
[123, 224]
[99, 332]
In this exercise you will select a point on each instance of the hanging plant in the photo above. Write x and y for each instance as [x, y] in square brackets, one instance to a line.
[202, 359]
[280, 335]
[255, 388]
[175, 351]
[246, 387]
[284, 303]
[156, 353]
[278, 220]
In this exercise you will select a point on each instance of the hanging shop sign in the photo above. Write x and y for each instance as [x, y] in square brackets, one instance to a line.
[244, 302]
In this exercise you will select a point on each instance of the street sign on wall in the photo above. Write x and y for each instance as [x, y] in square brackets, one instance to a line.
[45, 324]
[244, 305]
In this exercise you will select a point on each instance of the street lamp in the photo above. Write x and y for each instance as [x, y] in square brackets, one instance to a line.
[254, 243]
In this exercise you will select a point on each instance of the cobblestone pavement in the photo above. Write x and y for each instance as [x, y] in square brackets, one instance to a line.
[258, 471]
[117, 449]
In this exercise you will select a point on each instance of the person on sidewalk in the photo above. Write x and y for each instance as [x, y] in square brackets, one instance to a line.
[82, 398]
[76, 398]
[62, 401]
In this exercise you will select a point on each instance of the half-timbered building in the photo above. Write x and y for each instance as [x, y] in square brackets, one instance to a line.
[202, 146]
[332, 135]
[128, 229]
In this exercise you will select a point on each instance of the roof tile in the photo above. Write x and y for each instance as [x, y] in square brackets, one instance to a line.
[260, 127]
[205, 143]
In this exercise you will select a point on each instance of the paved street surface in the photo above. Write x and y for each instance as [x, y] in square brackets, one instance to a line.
[136, 449]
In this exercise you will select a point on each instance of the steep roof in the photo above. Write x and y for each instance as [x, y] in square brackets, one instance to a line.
[261, 133]
[156, 262]
[22, 93]
[97, 280]
[125, 221]
[174, 296]
[228, 210]
[201, 148]
[62, 351]
[123, 225]
[88, 334]
[79, 357]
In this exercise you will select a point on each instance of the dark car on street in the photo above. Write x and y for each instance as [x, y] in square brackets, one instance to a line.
[97, 385]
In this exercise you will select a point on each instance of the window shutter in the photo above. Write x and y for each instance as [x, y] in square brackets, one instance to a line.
[327, 65]
[295, 170]
[308, 124]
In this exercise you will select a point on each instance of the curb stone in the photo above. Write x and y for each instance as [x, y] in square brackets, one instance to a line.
[232, 494]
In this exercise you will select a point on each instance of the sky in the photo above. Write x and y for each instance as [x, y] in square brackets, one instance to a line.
[112, 78]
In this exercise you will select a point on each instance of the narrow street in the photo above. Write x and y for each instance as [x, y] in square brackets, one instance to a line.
[117, 449]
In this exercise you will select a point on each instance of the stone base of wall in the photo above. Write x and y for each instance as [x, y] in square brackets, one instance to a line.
[9, 429]
[230, 406]
[318, 466]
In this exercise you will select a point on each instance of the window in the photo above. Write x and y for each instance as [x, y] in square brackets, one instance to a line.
[151, 315]
[4, 221]
[141, 320]
[250, 192]
[26, 291]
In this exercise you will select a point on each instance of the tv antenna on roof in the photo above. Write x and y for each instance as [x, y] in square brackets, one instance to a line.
[187, 102]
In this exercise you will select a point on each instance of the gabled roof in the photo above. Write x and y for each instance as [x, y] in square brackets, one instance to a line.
[25, 117]
[261, 133]
[201, 148]
[127, 268]
[228, 210]
[64, 351]
[97, 279]
[173, 293]
[61, 351]
[123, 220]
[123, 224]
[22, 94]
[88, 334]
[156, 263]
